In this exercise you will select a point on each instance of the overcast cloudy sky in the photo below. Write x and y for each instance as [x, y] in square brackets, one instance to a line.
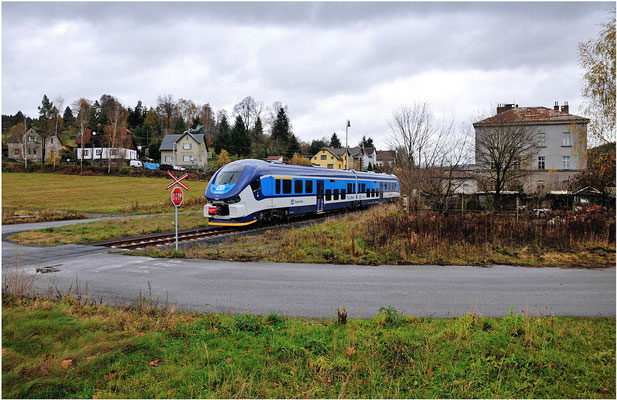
[328, 62]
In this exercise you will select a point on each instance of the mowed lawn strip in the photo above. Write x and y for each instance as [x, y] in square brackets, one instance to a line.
[69, 350]
[111, 229]
[100, 194]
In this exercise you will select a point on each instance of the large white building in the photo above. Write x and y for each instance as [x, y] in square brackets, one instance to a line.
[561, 150]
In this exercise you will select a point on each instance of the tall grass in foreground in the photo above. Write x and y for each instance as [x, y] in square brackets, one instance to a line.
[74, 350]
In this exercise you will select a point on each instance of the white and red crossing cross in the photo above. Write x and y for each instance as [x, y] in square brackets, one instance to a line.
[177, 181]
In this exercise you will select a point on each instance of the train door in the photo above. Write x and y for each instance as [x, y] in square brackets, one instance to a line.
[320, 199]
[380, 191]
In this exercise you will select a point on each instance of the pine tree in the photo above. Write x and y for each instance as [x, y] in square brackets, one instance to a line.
[180, 125]
[293, 147]
[315, 146]
[240, 139]
[68, 117]
[223, 136]
[335, 142]
[366, 142]
[280, 129]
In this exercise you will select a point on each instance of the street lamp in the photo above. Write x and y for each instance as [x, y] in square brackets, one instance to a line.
[347, 144]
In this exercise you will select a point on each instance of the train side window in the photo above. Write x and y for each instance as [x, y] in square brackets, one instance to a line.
[298, 186]
[278, 186]
[349, 186]
[308, 186]
[256, 185]
[286, 186]
[343, 194]
[363, 187]
[328, 195]
[368, 192]
[335, 194]
[353, 188]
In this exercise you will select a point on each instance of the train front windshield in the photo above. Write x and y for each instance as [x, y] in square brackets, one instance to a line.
[229, 176]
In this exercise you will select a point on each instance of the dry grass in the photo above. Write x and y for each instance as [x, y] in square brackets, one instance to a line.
[384, 235]
[26, 216]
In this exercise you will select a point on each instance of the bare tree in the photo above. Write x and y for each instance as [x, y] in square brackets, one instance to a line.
[83, 109]
[167, 111]
[504, 153]
[424, 150]
[188, 110]
[116, 126]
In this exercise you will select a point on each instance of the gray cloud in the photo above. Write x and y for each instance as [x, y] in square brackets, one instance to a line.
[327, 61]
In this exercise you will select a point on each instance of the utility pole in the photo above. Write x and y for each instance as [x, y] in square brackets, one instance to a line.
[347, 145]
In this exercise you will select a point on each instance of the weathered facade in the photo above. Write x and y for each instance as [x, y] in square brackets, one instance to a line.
[560, 147]
[28, 145]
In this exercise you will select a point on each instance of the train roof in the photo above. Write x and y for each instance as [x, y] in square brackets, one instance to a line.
[269, 168]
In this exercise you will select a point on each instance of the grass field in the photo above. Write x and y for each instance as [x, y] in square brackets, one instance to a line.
[69, 350]
[97, 194]
[111, 229]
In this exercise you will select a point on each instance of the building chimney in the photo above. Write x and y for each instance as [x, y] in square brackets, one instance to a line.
[565, 108]
[505, 107]
[556, 108]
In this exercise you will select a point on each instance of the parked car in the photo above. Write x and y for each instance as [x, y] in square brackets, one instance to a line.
[136, 164]
[166, 167]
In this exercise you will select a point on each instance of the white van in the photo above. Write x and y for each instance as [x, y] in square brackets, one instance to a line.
[136, 164]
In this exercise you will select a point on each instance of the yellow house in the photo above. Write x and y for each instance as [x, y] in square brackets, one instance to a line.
[332, 158]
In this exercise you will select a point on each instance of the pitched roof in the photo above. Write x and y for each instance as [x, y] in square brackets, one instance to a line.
[386, 155]
[530, 115]
[16, 137]
[274, 158]
[168, 141]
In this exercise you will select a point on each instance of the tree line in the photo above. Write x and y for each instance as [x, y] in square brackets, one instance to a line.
[251, 129]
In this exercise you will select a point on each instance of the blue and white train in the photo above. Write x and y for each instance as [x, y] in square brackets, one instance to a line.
[247, 191]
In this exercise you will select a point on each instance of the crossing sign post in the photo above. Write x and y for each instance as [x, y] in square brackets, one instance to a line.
[177, 196]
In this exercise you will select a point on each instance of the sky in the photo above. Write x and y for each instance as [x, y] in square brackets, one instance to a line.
[328, 62]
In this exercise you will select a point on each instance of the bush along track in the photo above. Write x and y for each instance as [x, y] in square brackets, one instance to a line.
[385, 235]
[58, 349]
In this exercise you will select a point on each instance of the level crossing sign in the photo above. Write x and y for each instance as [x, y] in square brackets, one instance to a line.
[177, 196]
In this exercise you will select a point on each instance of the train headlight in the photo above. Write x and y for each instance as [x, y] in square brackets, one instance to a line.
[233, 200]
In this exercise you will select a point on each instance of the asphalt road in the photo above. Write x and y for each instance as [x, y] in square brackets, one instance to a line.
[315, 290]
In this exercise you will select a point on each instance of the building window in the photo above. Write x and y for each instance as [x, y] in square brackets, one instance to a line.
[298, 186]
[542, 139]
[186, 146]
[168, 159]
[331, 158]
[541, 162]
[99, 152]
[331, 166]
[86, 152]
[309, 187]
[286, 186]
[34, 151]
[566, 162]
[566, 139]
[16, 152]
[324, 157]
[29, 139]
[187, 158]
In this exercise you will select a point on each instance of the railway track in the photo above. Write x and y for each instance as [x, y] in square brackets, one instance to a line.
[164, 238]
[200, 233]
